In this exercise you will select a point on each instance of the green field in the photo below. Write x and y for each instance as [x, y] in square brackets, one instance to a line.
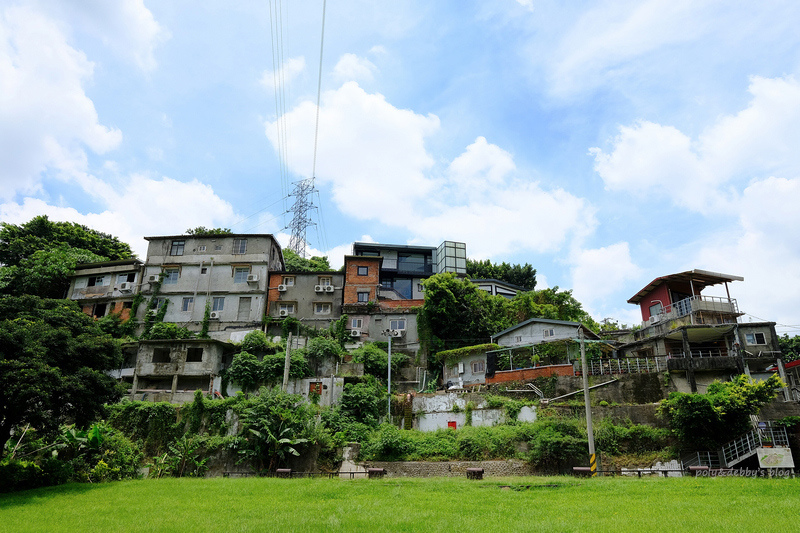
[402, 504]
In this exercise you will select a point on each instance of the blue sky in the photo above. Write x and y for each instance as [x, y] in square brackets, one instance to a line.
[605, 143]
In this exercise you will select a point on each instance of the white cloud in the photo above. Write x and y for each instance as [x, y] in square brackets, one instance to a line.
[283, 76]
[125, 26]
[374, 157]
[764, 250]
[142, 207]
[759, 140]
[350, 67]
[527, 4]
[600, 272]
[46, 119]
[606, 38]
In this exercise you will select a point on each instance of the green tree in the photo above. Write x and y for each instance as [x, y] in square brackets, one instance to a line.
[53, 365]
[202, 230]
[457, 313]
[790, 346]
[245, 370]
[705, 421]
[39, 256]
[376, 361]
[295, 263]
[256, 342]
[552, 304]
[520, 275]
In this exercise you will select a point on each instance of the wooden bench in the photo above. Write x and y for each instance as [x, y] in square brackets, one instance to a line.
[474, 473]
[376, 472]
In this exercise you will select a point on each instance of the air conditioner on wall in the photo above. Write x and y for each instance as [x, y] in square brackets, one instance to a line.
[355, 333]
[397, 332]
[252, 278]
[152, 279]
[284, 312]
[329, 288]
[214, 315]
[125, 286]
[282, 288]
[318, 288]
[653, 319]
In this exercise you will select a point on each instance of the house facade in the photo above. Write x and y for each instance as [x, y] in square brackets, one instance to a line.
[701, 335]
[314, 298]
[228, 273]
[106, 288]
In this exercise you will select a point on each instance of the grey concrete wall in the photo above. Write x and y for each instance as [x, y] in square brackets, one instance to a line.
[534, 333]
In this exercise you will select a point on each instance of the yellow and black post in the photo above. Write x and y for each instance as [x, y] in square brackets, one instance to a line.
[593, 464]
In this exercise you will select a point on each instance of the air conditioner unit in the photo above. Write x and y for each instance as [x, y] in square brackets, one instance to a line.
[318, 288]
[284, 312]
[153, 278]
[282, 288]
[397, 332]
[252, 278]
[653, 319]
[125, 286]
[214, 315]
[328, 288]
[355, 332]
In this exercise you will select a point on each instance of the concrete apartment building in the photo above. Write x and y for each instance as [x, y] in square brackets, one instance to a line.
[105, 288]
[229, 273]
[314, 298]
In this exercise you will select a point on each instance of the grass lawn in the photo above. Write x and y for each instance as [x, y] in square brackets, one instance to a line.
[550, 504]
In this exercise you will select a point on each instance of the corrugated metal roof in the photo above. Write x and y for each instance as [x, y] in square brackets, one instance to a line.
[703, 278]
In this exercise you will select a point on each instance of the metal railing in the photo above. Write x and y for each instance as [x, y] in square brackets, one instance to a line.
[604, 367]
[743, 447]
[709, 352]
[709, 459]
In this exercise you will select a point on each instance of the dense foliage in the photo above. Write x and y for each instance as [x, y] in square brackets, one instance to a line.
[456, 313]
[520, 275]
[295, 263]
[53, 366]
[202, 231]
[790, 347]
[39, 256]
[376, 361]
[705, 421]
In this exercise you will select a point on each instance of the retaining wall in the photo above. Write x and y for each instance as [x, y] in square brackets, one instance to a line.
[451, 468]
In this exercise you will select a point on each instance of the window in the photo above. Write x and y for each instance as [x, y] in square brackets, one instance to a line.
[549, 333]
[477, 367]
[194, 355]
[363, 297]
[160, 303]
[240, 274]
[218, 304]
[518, 338]
[161, 355]
[239, 246]
[355, 323]
[322, 308]
[171, 276]
[656, 309]
[288, 281]
[363, 271]
[325, 281]
[177, 248]
[755, 338]
[201, 248]
[204, 270]
[126, 278]
[286, 308]
[96, 280]
[217, 247]
[398, 324]
[187, 304]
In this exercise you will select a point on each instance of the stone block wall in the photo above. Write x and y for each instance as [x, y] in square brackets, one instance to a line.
[451, 468]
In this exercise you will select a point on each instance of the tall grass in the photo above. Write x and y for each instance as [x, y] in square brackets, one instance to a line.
[403, 504]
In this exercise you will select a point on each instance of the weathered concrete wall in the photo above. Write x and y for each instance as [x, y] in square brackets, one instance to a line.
[451, 468]
[638, 414]
[502, 376]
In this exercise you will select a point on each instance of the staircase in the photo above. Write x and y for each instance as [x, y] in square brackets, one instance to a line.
[740, 448]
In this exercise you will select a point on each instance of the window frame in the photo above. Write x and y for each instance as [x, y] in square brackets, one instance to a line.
[218, 300]
[356, 323]
[169, 279]
[193, 350]
[392, 322]
[547, 333]
[177, 247]
[363, 297]
[187, 304]
[325, 281]
[755, 337]
[288, 281]
[238, 272]
[362, 270]
[289, 307]
[239, 247]
[478, 367]
[322, 308]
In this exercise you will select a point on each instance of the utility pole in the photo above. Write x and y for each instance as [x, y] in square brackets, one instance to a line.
[588, 403]
[287, 363]
[389, 379]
